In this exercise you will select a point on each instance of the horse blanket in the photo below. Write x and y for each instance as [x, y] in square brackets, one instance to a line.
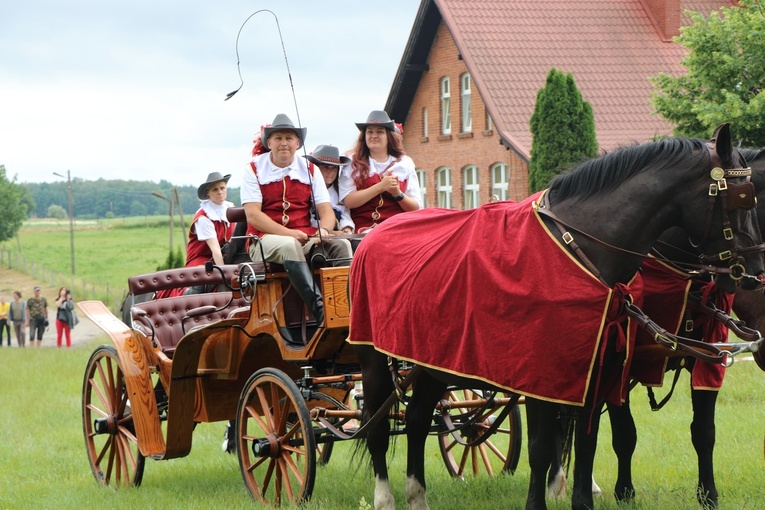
[665, 301]
[489, 293]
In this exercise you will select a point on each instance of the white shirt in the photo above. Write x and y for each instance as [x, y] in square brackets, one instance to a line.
[403, 169]
[345, 214]
[268, 173]
[204, 226]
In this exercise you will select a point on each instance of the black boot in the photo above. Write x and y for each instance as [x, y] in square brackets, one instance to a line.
[301, 279]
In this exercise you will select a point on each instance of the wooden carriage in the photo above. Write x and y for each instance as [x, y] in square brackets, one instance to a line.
[252, 354]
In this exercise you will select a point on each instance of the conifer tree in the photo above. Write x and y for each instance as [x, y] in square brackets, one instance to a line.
[563, 130]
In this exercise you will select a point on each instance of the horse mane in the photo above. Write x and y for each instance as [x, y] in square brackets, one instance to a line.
[607, 172]
[752, 154]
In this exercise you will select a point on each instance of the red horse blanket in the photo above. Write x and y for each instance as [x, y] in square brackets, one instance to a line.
[488, 293]
[665, 292]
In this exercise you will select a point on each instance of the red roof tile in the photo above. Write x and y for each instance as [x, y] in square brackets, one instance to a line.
[610, 47]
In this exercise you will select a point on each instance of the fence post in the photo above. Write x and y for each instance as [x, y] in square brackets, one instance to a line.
[52, 279]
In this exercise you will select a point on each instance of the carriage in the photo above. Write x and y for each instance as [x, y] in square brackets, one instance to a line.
[248, 352]
[251, 354]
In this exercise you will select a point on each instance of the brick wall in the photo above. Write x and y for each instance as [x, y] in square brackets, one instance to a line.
[481, 147]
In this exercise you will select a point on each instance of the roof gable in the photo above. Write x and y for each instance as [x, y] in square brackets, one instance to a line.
[611, 48]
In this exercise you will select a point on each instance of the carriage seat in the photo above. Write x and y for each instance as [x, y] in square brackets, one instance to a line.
[166, 316]
[178, 278]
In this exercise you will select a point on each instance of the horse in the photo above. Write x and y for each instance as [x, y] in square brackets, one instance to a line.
[749, 306]
[589, 233]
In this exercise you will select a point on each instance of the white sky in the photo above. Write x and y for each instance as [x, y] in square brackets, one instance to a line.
[135, 90]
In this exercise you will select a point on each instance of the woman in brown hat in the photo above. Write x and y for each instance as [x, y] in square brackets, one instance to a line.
[210, 229]
[329, 161]
[381, 180]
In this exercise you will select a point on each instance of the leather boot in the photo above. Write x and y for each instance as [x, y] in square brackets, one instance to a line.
[301, 279]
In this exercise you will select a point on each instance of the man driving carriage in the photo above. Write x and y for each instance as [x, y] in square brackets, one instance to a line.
[277, 193]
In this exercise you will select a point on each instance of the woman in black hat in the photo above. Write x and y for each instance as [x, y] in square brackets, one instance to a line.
[381, 180]
[329, 161]
[210, 228]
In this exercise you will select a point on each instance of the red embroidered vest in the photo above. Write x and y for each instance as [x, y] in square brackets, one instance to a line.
[377, 210]
[280, 193]
[198, 252]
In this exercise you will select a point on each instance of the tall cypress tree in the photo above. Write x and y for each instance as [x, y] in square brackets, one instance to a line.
[563, 127]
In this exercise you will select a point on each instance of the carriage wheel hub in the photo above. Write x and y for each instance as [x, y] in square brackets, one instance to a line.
[106, 425]
[268, 446]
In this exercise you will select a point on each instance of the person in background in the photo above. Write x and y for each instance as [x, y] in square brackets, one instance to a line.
[381, 181]
[37, 317]
[210, 229]
[64, 316]
[329, 161]
[17, 314]
[5, 326]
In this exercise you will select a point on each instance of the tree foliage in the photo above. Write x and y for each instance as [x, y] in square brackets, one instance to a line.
[563, 127]
[56, 211]
[725, 79]
[13, 206]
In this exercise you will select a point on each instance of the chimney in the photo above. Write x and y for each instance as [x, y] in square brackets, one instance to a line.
[665, 15]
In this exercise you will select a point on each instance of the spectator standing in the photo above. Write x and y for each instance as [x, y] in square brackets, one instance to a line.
[37, 317]
[17, 314]
[5, 326]
[64, 316]
[381, 180]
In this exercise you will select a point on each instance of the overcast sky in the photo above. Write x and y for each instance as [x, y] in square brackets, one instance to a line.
[135, 90]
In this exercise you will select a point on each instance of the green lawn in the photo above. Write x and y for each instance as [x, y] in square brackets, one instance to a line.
[43, 462]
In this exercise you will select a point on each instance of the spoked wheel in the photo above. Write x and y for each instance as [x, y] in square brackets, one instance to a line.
[276, 446]
[110, 439]
[498, 454]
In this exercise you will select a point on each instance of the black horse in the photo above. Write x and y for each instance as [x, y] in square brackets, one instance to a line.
[625, 199]
[749, 307]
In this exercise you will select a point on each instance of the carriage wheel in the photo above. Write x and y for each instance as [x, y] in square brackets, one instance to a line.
[498, 454]
[276, 447]
[110, 440]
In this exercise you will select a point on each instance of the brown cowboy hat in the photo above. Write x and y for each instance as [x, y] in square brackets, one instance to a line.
[377, 118]
[211, 179]
[282, 123]
[327, 155]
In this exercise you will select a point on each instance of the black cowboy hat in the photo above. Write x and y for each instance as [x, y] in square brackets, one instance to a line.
[211, 179]
[327, 155]
[281, 123]
[377, 118]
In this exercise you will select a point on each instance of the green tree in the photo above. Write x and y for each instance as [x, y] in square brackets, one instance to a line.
[56, 211]
[13, 208]
[725, 81]
[563, 127]
[173, 260]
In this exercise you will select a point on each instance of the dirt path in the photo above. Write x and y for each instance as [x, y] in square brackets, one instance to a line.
[11, 280]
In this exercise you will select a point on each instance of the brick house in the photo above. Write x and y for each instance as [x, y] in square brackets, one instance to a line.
[466, 86]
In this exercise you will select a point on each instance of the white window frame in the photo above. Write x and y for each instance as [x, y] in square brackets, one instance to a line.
[467, 111]
[425, 122]
[489, 122]
[471, 187]
[422, 179]
[446, 114]
[444, 182]
[499, 186]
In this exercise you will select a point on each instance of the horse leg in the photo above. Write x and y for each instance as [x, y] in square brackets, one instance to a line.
[624, 440]
[426, 391]
[377, 383]
[585, 444]
[703, 438]
[556, 477]
[542, 431]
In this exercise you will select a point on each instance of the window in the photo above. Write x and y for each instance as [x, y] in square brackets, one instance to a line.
[421, 179]
[446, 116]
[470, 181]
[444, 176]
[489, 122]
[425, 122]
[467, 118]
[499, 180]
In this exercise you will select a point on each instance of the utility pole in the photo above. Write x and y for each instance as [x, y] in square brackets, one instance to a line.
[71, 216]
[163, 197]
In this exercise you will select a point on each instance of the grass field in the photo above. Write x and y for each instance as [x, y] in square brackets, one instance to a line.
[107, 252]
[43, 462]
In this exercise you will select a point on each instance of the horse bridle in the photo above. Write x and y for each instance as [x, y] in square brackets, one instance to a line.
[732, 196]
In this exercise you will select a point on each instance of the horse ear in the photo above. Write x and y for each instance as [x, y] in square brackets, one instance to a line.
[721, 140]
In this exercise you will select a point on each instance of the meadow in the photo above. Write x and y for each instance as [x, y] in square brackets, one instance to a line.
[107, 252]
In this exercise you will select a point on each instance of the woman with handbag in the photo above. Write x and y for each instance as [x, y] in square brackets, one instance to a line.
[64, 316]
